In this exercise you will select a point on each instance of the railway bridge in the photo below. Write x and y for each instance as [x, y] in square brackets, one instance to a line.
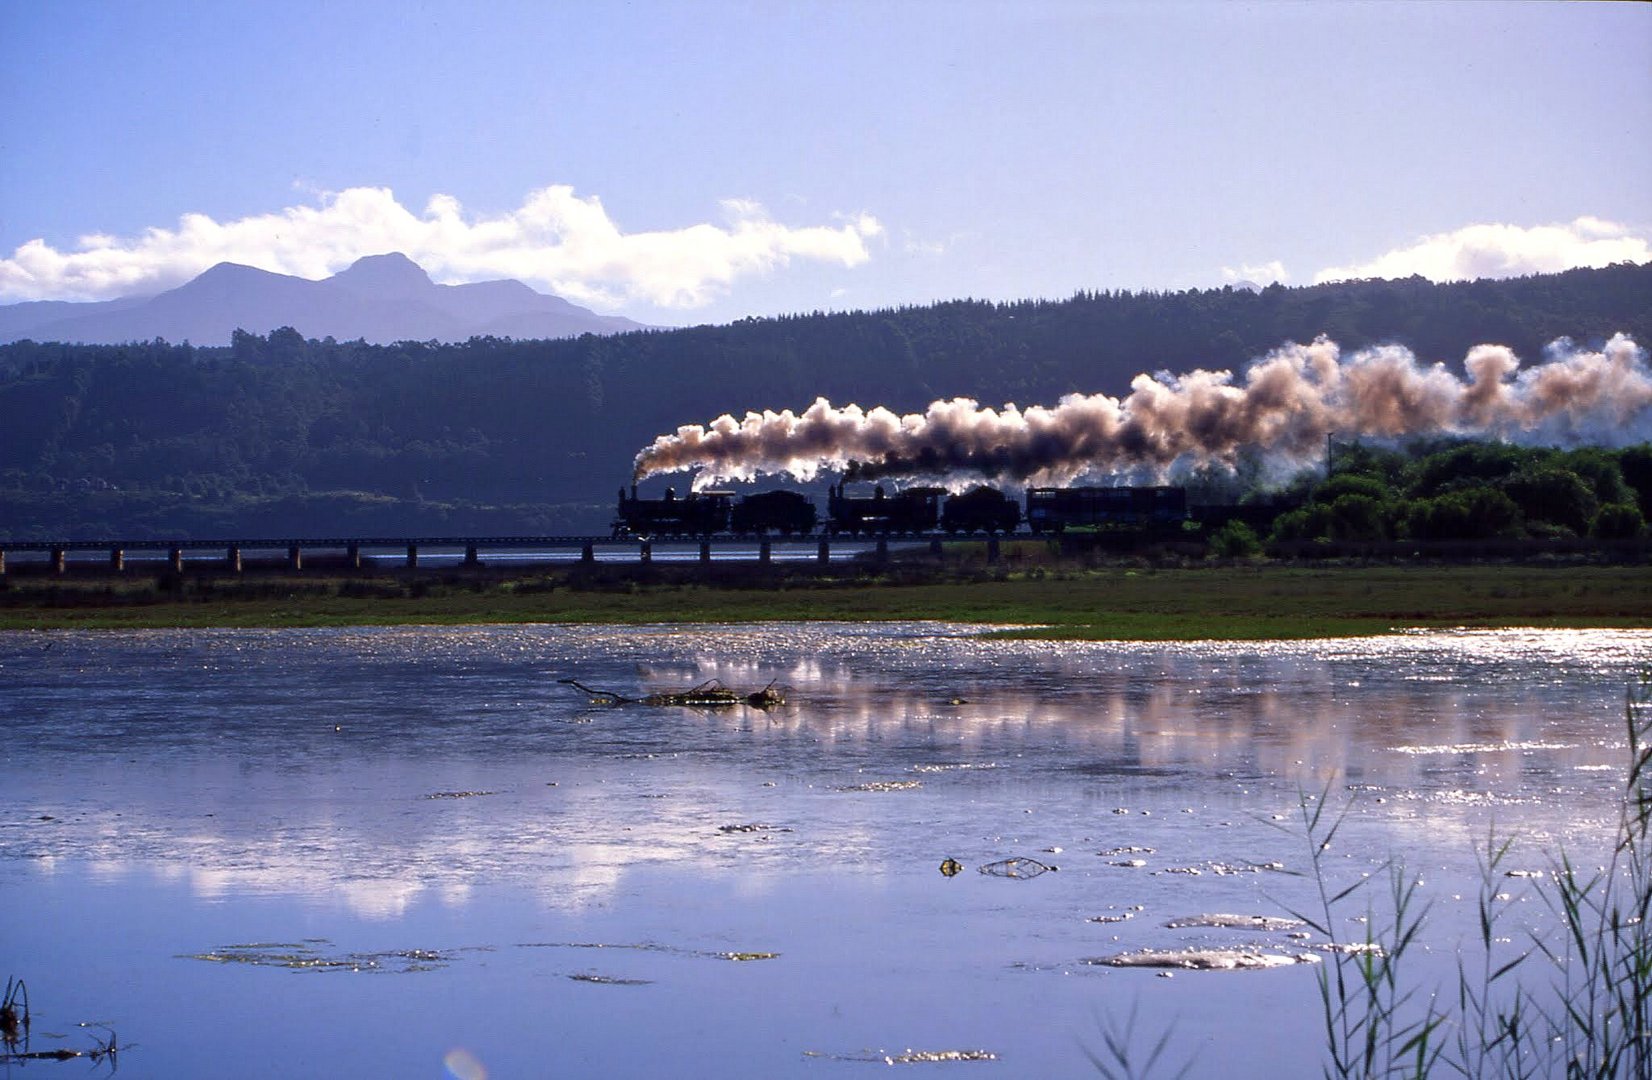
[112, 554]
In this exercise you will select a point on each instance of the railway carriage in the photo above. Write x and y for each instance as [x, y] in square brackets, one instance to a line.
[1056, 509]
[913, 510]
[785, 512]
[981, 509]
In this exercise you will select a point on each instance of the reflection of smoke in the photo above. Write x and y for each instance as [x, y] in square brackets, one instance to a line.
[1284, 406]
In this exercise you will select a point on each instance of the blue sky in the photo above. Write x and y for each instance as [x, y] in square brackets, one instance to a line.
[699, 162]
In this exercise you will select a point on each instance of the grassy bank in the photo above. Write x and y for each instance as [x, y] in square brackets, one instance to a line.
[1120, 602]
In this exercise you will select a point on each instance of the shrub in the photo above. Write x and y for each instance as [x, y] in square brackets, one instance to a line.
[1235, 540]
[1618, 521]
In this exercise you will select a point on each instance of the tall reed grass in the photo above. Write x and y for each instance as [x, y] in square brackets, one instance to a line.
[1570, 996]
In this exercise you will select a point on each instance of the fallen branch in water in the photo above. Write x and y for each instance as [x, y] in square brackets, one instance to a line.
[708, 695]
[14, 1033]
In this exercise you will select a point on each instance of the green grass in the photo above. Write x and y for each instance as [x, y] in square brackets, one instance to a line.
[1054, 601]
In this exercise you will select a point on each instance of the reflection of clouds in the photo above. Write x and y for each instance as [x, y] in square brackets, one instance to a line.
[379, 898]
[1272, 708]
[239, 784]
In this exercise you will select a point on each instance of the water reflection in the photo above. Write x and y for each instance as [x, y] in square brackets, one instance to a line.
[174, 794]
[303, 762]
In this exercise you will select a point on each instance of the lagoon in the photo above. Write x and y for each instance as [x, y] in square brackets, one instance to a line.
[412, 851]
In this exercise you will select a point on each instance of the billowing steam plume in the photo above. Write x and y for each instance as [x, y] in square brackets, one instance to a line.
[1285, 406]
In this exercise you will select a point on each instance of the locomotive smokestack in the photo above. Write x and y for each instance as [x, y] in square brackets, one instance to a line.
[1286, 405]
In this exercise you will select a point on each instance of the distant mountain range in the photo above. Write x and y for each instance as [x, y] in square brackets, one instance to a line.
[381, 298]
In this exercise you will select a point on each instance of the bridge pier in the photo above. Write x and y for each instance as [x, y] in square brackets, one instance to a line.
[824, 555]
[588, 553]
[352, 556]
[883, 548]
[646, 552]
[233, 558]
[935, 546]
[295, 557]
[117, 559]
[175, 558]
[59, 560]
[471, 558]
[2, 562]
[992, 548]
[412, 556]
[705, 551]
[765, 552]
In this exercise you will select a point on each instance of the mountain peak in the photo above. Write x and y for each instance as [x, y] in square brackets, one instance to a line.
[392, 270]
[379, 298]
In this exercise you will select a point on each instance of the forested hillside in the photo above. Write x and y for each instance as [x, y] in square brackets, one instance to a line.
[279, 435]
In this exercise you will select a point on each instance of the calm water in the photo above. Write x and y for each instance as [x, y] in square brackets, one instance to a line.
[412, 852]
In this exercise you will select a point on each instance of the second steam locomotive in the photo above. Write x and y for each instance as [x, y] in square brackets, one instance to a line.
[907, 512]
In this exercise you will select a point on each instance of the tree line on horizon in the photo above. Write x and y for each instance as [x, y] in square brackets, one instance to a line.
[277, 434]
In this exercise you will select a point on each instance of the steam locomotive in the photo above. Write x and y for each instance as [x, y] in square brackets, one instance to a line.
[910, 511]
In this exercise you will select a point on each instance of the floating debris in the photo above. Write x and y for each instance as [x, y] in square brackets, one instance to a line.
[653, 947]
[1234, 922]
[1203, 959]
[951, 867]
[609, 980]
[1121, 917]
[1017, 867]
[1131, 850]
[1129, 863]
[752, 827]
[304, 956]
[1481, 748]
[711, 694]
[883, 785]
[1351, 948]
[459, 794]
[906, 1057]
[1225, 869]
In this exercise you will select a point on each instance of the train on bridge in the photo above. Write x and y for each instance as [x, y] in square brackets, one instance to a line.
[913, 511]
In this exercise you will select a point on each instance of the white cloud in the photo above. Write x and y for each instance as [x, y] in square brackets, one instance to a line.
[1500, 251]
[1263, 274]
[555, 240]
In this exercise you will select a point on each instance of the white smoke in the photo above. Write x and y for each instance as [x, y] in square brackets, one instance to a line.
[1285, 406]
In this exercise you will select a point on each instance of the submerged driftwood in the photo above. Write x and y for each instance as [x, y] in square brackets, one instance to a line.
[708, 695]
[14, 1034]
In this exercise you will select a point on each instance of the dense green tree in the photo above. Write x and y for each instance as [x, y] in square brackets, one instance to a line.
[1343, 483]
[1547, 493]
[1467, 464]
[1357, 517]
[1635, 463]
[1618, 521]
[1467, 513]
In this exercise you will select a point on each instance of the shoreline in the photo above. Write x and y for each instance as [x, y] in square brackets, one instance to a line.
[1241, 601]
